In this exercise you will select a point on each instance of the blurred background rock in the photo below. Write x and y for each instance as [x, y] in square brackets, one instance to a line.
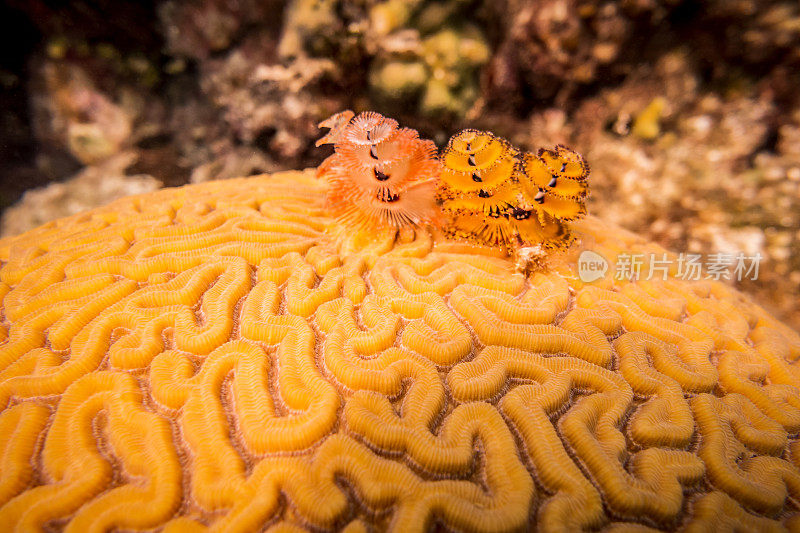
[687, 110]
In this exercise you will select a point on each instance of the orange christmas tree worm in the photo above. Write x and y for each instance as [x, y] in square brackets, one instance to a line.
[380, 175]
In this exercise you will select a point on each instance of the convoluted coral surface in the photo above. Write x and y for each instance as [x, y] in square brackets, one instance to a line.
[208, 357]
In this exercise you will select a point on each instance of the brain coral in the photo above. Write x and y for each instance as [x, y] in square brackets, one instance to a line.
[209, 358]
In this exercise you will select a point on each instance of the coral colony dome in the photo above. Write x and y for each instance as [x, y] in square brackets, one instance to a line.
[401, 339]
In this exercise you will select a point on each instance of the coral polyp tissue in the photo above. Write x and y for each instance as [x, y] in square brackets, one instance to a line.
[380, 175]
[209, 358]
[494, 194]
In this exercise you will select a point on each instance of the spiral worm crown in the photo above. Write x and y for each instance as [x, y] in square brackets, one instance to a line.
[380, 174]
[496, 195]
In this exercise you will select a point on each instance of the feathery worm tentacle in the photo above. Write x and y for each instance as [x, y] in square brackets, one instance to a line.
[380, 174]
[497, 196]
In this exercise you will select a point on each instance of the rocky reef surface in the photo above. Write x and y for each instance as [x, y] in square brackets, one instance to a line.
[687, 111]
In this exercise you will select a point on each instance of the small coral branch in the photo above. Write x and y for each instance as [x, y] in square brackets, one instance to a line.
[380, 175]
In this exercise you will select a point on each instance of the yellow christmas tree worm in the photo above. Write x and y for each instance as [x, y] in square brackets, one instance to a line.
[494, 195]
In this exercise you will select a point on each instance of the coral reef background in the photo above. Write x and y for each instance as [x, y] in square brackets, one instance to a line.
[687, 111]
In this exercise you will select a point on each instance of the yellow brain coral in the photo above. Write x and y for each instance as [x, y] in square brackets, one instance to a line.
[210, 358]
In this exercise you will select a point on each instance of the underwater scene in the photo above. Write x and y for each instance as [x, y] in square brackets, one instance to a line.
[400, 265]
